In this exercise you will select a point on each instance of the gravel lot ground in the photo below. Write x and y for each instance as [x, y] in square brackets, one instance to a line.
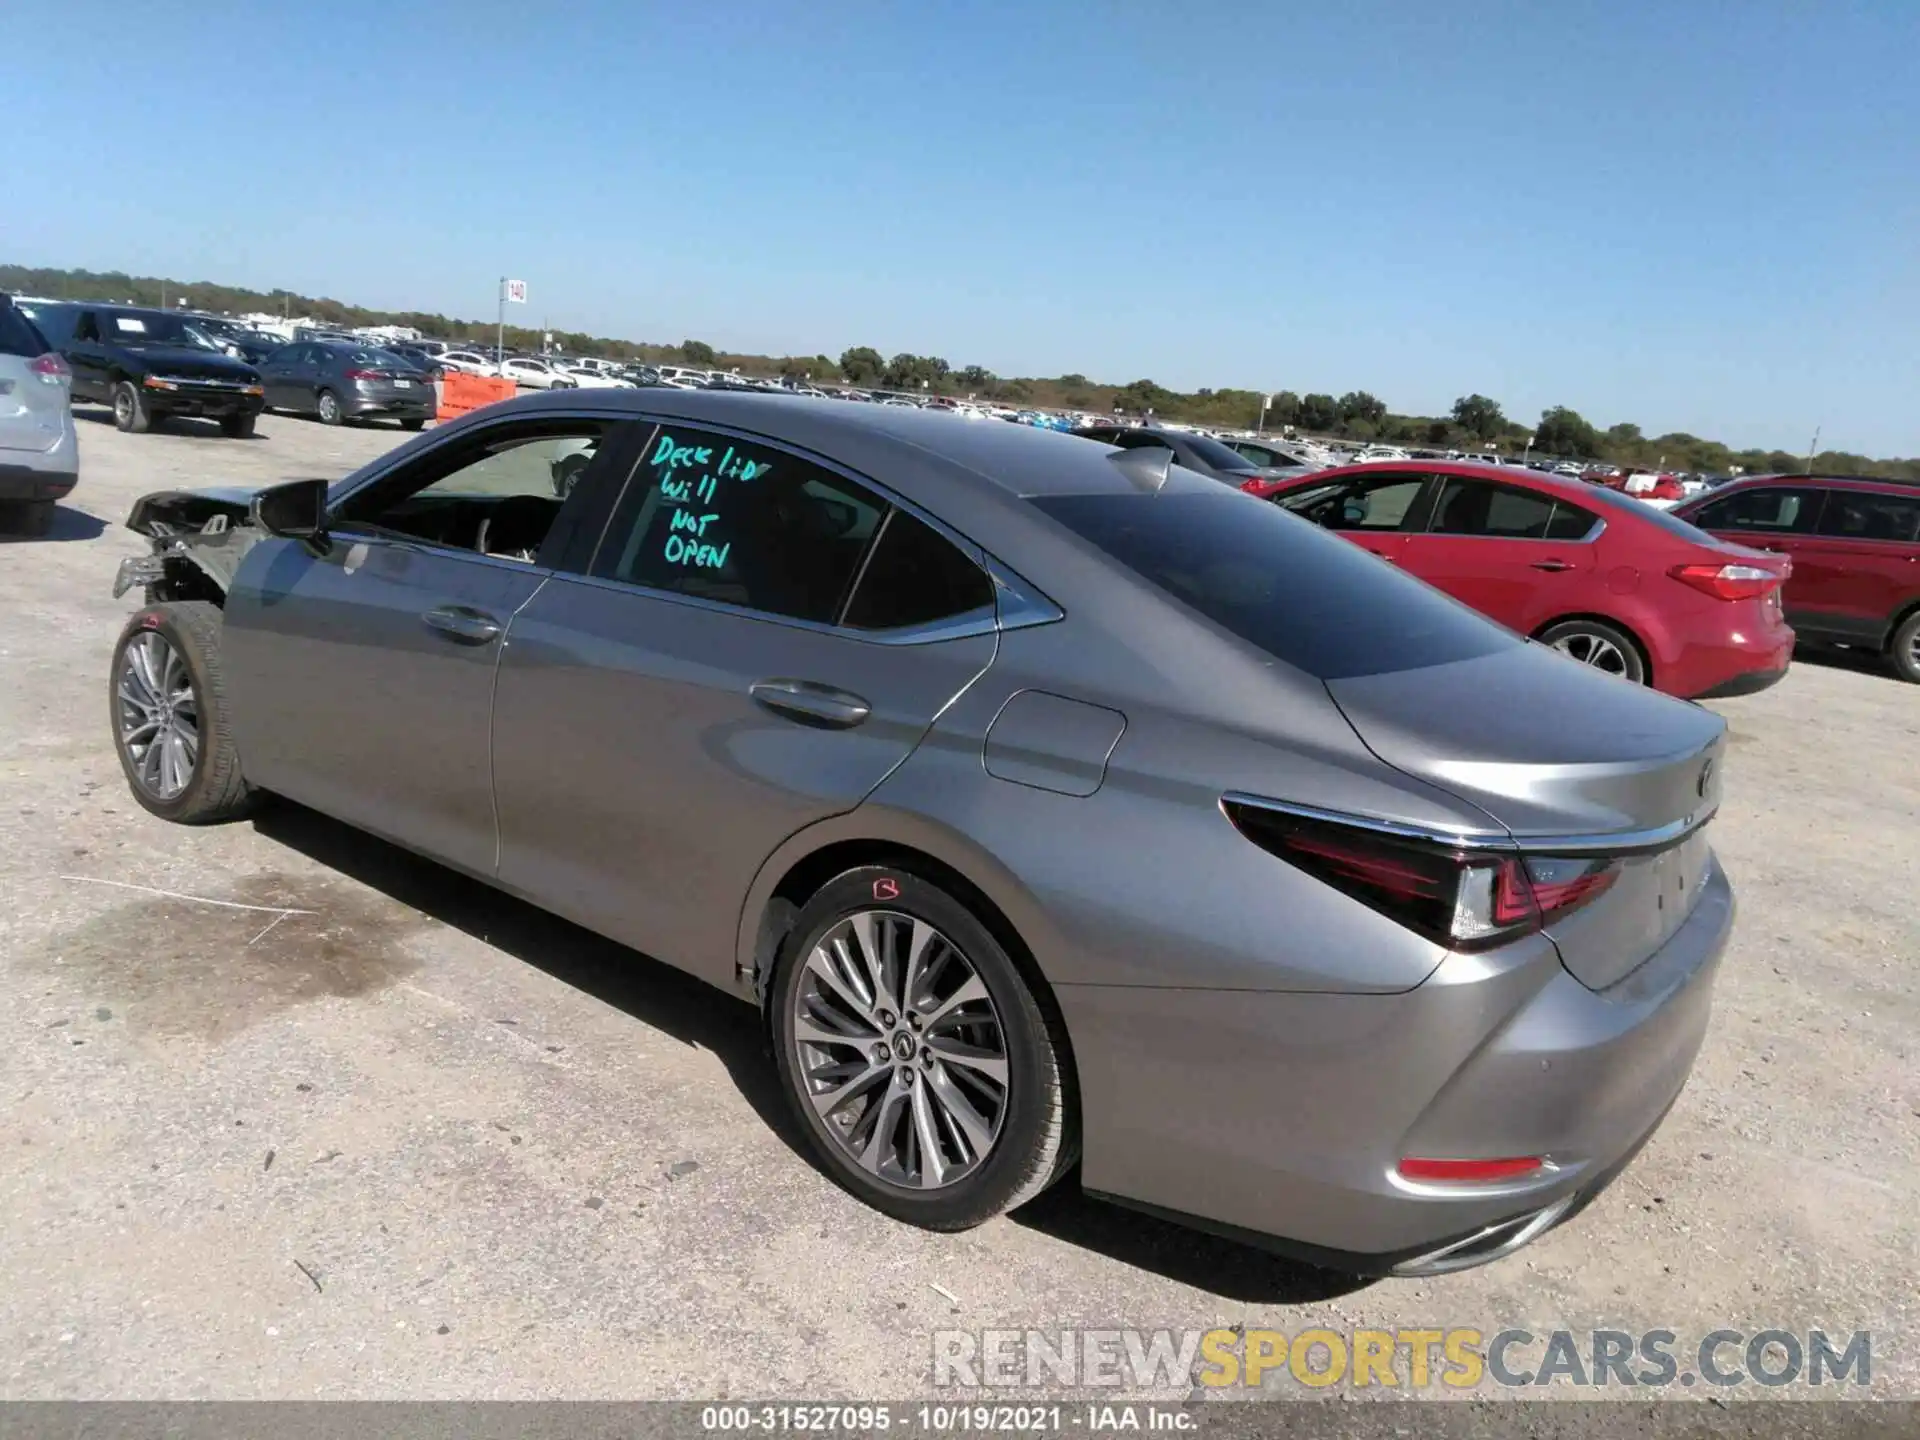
[424, 1141]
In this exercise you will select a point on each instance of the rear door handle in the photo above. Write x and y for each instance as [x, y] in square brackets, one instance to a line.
[1551, 565]
[810, 703]
[463, 624]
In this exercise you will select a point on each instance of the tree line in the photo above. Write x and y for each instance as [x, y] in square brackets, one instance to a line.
[1474, 423]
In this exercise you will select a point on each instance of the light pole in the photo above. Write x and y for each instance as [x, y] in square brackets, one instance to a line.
[1813, 448]
[1260, 426]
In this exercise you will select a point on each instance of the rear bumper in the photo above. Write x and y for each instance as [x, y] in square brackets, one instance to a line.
[1282, 1116]
[28, 482]
[400, 407]
[1752, 682]
[1738, 665]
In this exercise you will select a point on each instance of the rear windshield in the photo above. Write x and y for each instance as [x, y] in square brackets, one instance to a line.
[1672, 524]
[1218, 455]
[18, 335]
[1303, 595]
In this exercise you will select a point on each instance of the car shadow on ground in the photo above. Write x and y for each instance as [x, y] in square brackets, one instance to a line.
[67, 524]
[695, 1014]
[1833, 657]
[169, 425]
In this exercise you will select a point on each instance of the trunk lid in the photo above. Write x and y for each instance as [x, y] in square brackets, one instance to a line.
[1554, 750]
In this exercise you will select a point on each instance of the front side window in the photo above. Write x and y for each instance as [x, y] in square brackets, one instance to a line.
[495, 493]
[1772, 509]
[1869, 515]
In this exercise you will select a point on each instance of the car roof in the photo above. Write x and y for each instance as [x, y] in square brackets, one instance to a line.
[887, 442]
[1844, 482]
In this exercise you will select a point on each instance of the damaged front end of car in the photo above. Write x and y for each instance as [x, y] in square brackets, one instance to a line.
[199, 539]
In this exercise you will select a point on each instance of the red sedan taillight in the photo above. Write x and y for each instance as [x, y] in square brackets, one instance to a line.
[1728, 582]
[1462, 898]
[368, 375]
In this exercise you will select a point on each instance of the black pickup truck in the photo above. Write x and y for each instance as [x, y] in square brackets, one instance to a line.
[151, 364]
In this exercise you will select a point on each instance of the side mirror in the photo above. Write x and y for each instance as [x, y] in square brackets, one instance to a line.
[296, 510]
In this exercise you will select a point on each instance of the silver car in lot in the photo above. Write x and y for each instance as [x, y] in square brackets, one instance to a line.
[1056, 804]
[39, 451]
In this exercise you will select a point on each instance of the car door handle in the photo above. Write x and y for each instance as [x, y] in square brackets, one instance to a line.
[1551, 565]
[463, 624]
[811, 704]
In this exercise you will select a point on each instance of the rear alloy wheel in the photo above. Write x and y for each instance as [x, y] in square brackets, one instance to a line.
[1904, 649]
[130, 411]
[925, 1074]
[330, 411]
[1595, 643]
[169, 709]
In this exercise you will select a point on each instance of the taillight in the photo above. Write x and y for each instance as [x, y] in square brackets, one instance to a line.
[1728, 582]
[367, 375]
[51, 369]
[1252, 487]
[1465, 899]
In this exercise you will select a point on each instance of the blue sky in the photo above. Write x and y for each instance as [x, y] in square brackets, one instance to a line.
[1688, 215]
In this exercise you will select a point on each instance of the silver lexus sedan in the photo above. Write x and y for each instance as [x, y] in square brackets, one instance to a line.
[1056, 805]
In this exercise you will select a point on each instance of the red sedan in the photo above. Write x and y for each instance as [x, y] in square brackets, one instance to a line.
[1598, 575]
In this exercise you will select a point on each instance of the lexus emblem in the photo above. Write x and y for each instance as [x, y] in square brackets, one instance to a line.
[1706, 778]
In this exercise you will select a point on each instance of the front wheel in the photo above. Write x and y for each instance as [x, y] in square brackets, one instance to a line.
[1904, 649]
[1594, 642]
[330, 411]
[168, 703]
[130, 412]
[927, 1077]
[419, 424]
[237, 427]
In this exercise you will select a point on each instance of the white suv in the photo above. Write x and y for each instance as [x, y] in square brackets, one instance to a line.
[39, 451]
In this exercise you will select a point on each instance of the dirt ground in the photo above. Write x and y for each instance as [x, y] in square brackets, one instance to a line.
[414, 1139]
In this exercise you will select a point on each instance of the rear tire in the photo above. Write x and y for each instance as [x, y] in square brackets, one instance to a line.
[1595, 643]
[1903, 650]
[1028, 1134]
[167, 705]
[329, 408]
[413, 424]
[130, 412]
[238, 427]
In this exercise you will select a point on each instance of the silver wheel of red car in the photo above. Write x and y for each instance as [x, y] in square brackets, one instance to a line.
[1598, 645]
[1905, 649]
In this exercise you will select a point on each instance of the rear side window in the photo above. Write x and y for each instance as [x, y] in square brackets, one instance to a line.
[19, 336]
[1775, 509]
[716, 518]
[1869, 515]
[1569, 521]
[1308, 598]
[1473, 507]
[915, 576]
[1213, 453]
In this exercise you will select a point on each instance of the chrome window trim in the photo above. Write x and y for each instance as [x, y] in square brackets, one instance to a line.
[1645, 841]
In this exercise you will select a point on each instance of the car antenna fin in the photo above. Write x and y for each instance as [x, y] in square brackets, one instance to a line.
[1146, 468]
